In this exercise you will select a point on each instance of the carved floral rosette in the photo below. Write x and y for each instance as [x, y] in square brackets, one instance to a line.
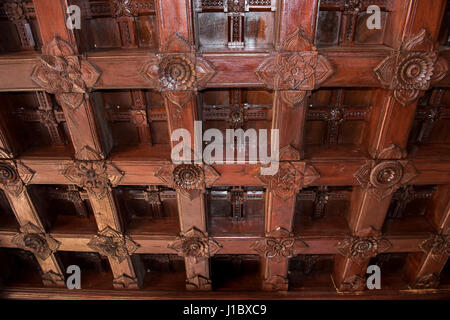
[34, 239]
[14, 176]
[61, 72]
[361, 249]
[188, 179]
[177, 67]
[195, 245]
[279, 245]
[412, 68]
[96, 177]
[113, 244]
[295, 68]
[383, 178]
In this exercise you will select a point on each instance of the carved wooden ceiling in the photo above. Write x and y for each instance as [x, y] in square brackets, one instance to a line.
[86, 177]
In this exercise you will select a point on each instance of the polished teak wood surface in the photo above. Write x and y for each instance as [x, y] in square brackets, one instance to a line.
[86, 177]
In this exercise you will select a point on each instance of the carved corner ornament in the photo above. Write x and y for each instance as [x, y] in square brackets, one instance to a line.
[352, 283]
[34, 239]
[188, 179]
[412, 69]
[428, 281]
[124, 8]
[126, 282]
[195, 245]
[177, 67]
[437, 246]
[14, 176]
[96, 177]
[392, 152]
[361, 249]
[198, 282]
[278, 245]
[296, 67]
[276, 283]
[113, 244]
[291, 176]
[383, 178]
[61, 72]
[52, 278]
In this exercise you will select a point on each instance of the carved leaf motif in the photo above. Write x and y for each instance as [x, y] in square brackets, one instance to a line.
[195, 245]
[34, 239]
[392, 152]
[297, 41]
[177, 43]
[360, 249]
[113, 244]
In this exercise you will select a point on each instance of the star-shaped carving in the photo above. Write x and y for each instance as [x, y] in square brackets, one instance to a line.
[113, 244]
[360, 249]
[382, 178]
[64, 74]
[195, 245]
[412, 68]
[278, 245]
[295, 66]
[96, 177]
[34, 239]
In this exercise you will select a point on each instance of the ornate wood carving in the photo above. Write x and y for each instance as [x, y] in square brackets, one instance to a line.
[291, 177]
[123, 8]
[353, 283]
[113, 244]
[96, 177]
[177, 68]
[385, 177]
[437, 246]
[296, 65]
[34, 239]
[125, 281]
[188, 178]
[279, 244]
[195, 245]
[411, 69]
[360, 249]
[198, 282]
[14, 176]
[52, 278]
[428, 281]
[276, 283]
[61, 72]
